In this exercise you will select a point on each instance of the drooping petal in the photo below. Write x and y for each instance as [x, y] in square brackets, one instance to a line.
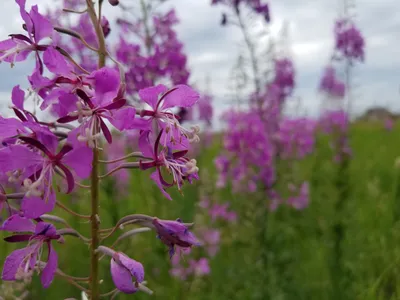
[50, 268]
[136, 268]
[16, 223]
[55, 62]
[34, 207]
[80, 161]
[14, 261]
[150, 95]
[122, 278]
[42, 26]
[175, 227]
[17, 97]
[155, 176]
[181, 96]
[144, 144]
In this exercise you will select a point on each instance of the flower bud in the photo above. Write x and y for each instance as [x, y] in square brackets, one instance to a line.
[113, 2]
[105, 25]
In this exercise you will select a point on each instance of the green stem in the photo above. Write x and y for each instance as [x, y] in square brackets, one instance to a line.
[94, 217]
[94, 261]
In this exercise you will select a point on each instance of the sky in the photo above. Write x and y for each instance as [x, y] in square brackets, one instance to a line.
[212, 50]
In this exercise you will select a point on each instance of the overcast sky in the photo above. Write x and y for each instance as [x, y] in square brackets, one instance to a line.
[212, 49]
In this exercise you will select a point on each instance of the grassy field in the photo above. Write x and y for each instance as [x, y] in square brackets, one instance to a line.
[286, 254]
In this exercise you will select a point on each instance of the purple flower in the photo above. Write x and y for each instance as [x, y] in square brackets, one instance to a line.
[300, 201]
[221, 211]
[200, 267]
[349, 41]
[296, 138]
[389, 124]
[211, 238]
[205, 109]
[331, 85]
[180, 167]
[36, 162]
[284, 77]
[19, 46]
[20, 263]
[174, 234]
[123, 270]
[180, 96]
[107, 102]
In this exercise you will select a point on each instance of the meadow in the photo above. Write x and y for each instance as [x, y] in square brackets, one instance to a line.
[117, 183]
[297, 247]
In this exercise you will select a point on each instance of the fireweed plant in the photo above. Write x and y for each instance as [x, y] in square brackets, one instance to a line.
[259, 138]
[40, 159]
[349, 50]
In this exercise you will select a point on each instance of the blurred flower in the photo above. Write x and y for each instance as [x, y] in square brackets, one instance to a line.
[124, 270]
[331, 85]
[349, 41]
[174, 234]
[21, 263]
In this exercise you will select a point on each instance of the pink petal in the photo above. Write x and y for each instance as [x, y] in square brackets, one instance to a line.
[136, 268]
[150, 95]
[80, 161]
[156, 178]
[13, 262]
[50, 268]
[124, 118]
[9, 127]
[55, 62]
[16, 223]
[42, 26]
[34, 207]
[17, 157]
[106, 84]
[25, 16]
[66, 103]
[144, 144]
[17, 97]
[182, 96]
[122, 278]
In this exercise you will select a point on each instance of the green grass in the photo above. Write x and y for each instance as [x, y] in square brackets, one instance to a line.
[297, 244]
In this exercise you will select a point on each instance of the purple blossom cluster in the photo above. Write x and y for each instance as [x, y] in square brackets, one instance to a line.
[256, 139]
[349, 40]
[85, 102]
[257, 6]
[300, 196]
[331, 84]
[284, 77]
[296, 137]
[243, 165]
[160, 57]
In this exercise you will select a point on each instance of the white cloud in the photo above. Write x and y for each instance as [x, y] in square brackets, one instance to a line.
[212, 49]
